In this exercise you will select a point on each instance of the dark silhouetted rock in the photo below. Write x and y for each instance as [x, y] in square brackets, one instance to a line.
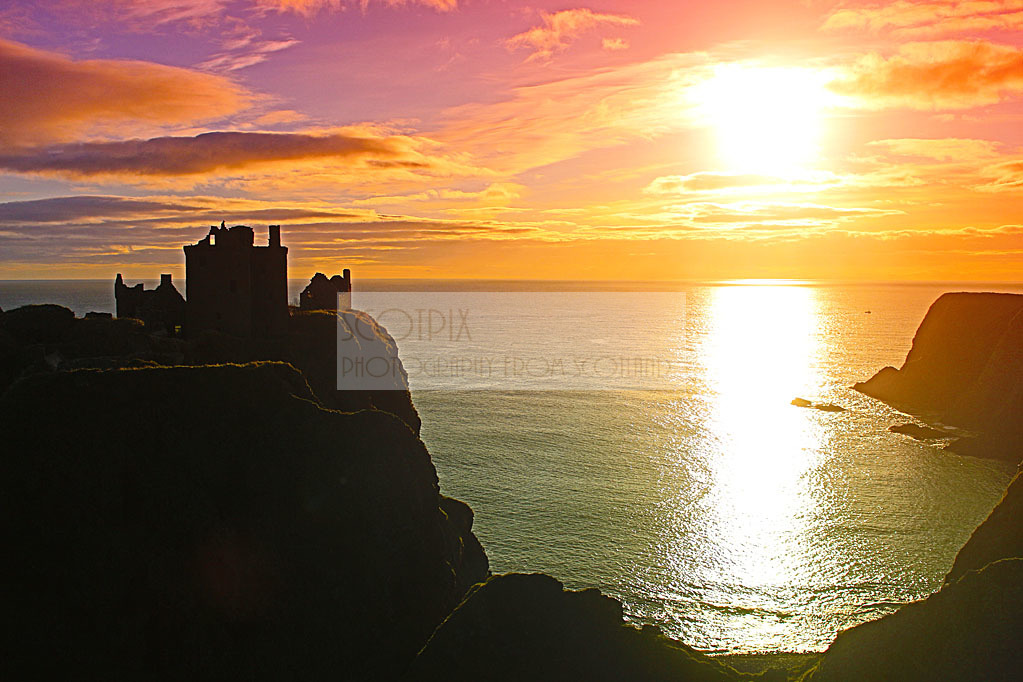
[216, 522]
[969, 630]
[526, 627]
[918, 432]
[32, 324]
[965, 369]
[998, 537]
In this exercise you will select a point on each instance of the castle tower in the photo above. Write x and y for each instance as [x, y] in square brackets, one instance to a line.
[235, 287]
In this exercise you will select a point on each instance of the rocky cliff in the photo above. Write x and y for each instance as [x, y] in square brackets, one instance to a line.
[1000, 536]
[965, 369]
[177, 518]
[968, 630]
[217, 522]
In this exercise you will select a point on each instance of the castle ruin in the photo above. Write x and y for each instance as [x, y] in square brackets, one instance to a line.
[231, 286]
[161, 309]
[235, 287]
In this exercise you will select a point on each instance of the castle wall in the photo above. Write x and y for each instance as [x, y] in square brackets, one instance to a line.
[269, 268]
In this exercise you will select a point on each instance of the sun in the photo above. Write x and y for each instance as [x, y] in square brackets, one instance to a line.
[766, 119]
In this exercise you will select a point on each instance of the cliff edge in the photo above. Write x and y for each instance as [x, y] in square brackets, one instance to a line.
[965, 369]
[218, 522]
[527, 627]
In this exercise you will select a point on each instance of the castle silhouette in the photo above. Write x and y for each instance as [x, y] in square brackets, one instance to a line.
[232, 286]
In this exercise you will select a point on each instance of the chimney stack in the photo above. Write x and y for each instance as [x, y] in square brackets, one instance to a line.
[164, 279]
[275, 235]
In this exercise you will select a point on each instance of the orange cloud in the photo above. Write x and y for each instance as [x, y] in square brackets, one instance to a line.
[47, 96]
[1005, 176]
[170, 156]
[713, 182]
[614, 44]
[939, 149]
[929, 19]
[560, 29]
[935, 75]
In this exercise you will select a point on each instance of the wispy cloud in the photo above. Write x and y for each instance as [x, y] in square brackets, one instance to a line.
[560, 29]
[543, 123]
[311, 7]
[241, 54]
[705, 181]
[932, 19]
[939, 149]
[1004, 177]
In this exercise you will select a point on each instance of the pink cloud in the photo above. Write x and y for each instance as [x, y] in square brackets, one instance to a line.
[560, 29]
[311, 7]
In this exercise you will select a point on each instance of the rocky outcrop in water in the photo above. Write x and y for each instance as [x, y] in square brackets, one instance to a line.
[217, 522]
[965, 369]
[918, 432]
[823, 407]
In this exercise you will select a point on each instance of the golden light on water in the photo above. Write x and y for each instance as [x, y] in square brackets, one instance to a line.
[757, 353]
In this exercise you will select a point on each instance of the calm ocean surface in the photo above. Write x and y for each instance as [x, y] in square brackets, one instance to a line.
[735, 521]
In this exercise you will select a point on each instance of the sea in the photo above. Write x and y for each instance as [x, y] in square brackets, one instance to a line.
[699, 495]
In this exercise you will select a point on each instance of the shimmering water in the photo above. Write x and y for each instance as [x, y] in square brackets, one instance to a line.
[718, 511]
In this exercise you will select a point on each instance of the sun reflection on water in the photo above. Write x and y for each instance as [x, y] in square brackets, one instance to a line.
[757, 352]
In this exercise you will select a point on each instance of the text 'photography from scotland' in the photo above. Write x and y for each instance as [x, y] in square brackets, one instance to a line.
[512, 341]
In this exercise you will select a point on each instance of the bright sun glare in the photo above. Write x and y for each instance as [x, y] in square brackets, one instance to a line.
[767, 119]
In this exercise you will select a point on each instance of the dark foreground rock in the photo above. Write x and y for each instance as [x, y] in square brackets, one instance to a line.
[965, 369]
[47, 338]
[1000, 536]
[527, 627]
[967, 631]
[218, 523]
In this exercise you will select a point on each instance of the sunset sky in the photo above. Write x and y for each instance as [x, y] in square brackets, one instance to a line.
[627, 139]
